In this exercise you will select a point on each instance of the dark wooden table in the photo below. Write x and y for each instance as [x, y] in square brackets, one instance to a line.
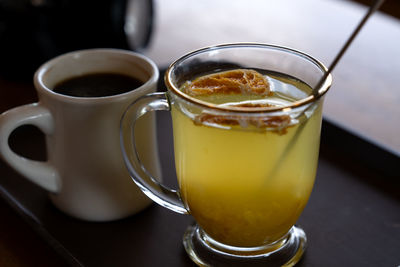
[364, 100]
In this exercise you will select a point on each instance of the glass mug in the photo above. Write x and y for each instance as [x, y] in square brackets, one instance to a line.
[244, 186]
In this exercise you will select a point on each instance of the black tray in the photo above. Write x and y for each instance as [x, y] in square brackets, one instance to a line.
[352, 218]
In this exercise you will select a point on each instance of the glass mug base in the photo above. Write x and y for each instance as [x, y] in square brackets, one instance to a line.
[205, 251]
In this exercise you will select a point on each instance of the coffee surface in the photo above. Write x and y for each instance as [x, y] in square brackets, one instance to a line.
[97, 85]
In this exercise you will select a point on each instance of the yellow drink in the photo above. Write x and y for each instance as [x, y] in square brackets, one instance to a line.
[238, 183]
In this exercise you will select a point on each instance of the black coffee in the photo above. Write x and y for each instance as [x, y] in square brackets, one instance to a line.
[97, 85]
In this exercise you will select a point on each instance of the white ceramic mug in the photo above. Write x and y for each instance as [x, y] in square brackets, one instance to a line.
[84, 171]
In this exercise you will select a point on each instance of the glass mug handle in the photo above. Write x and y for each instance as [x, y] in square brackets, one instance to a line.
[156, 191]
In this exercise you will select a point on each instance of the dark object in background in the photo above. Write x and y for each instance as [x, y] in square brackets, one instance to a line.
[33, 31]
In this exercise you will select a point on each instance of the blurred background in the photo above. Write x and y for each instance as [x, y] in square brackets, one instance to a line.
[33, 31]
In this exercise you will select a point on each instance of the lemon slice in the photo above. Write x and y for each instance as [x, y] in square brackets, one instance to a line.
[238, 81]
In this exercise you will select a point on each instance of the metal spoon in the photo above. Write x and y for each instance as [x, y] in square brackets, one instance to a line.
[316, 94]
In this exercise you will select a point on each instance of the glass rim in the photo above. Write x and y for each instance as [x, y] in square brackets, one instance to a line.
[298, 103]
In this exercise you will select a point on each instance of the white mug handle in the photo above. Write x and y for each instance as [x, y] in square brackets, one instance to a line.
[39, 172]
